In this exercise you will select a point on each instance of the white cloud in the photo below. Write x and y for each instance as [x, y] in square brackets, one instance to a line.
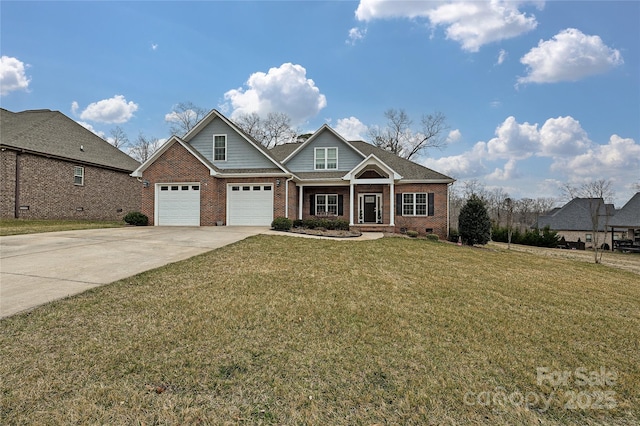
[284, 89]
[514, 140]
[454, 136]
[569, 56]
[351, 128]
[508, 172]
[356, 34]
[91, 128]
[619, 157]
[470, 23]
[502, 56]
[557, 136]
[562, 136]
[12, 75]
[560, 144]
[154, 46]
[467, 164]
[113, 110]
[75, 107]
[174, 117]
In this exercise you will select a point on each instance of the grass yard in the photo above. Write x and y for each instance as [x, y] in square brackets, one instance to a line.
[392, 331]
[28, 226]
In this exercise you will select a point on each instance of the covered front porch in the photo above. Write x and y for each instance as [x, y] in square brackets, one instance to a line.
[365, 196]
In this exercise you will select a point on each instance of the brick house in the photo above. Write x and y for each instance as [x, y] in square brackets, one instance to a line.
[53, 168]
[217, 174]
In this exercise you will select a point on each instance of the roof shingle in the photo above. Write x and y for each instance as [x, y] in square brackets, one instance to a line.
[54, 134]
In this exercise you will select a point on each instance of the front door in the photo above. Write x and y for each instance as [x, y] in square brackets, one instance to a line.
[370, 209]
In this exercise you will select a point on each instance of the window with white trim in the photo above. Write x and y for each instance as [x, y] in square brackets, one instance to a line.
[219, 147]
[78, 175]
[326, 204]
[326, 158]
[414, 204]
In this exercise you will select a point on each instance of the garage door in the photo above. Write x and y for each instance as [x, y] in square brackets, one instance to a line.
[178, 204]
[250, 205]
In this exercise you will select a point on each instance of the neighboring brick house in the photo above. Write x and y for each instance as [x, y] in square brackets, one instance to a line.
[217, 174]
[53, 168]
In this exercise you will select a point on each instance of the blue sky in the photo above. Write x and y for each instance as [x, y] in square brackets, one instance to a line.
[536, 94]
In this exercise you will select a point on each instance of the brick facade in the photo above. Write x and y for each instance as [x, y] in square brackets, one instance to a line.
[7, 184]
[438, 222]
[46, 190]
[177, 164]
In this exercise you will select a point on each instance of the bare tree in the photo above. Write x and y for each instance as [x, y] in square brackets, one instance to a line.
[508, 206]
[496, 204]
[118, 137]
[144, 147]
[273, 130]
[183, 117]
[399, 138]
[541, 206]
[598, 193]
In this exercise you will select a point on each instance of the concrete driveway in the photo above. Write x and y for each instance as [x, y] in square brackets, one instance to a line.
[38, 268]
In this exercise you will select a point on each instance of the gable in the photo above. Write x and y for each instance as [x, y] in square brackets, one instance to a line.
[629, 215]
[303, 160]
[241, 154]
[195, 155]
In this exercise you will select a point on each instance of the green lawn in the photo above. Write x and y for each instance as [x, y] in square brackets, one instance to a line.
[283, 330]
[24, 226]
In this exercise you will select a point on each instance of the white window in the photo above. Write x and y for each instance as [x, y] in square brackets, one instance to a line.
[219, 147]
[414, 204]
[326, 158]
[326, 204]
[589, 238]
[78, 175]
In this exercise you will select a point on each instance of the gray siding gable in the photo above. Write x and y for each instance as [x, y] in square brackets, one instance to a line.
[303, 161]
[241, 154]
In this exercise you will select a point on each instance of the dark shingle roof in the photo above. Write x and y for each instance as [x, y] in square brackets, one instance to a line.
[408, 169]
[576, 216]
[280, 152]
[54, 134]
[629, 214]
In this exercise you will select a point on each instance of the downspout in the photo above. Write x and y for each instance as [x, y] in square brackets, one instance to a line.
[286, 197]
[448, 209]
[16, 194]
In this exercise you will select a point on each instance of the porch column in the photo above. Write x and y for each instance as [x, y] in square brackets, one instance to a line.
[351, 193]
[300, 199]
[392, 207]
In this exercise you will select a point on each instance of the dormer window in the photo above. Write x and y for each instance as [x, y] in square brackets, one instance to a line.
[219, 147]
[326, 158]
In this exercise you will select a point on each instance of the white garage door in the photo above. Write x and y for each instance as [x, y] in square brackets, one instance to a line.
[250, 205]
[178, 204]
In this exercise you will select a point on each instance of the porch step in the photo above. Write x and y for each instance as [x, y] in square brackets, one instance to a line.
[373, 228]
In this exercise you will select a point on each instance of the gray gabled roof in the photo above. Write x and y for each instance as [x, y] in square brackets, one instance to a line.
[576, 215]
[406, 168]
[629, 214]
[280, 152]
[53, 134]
